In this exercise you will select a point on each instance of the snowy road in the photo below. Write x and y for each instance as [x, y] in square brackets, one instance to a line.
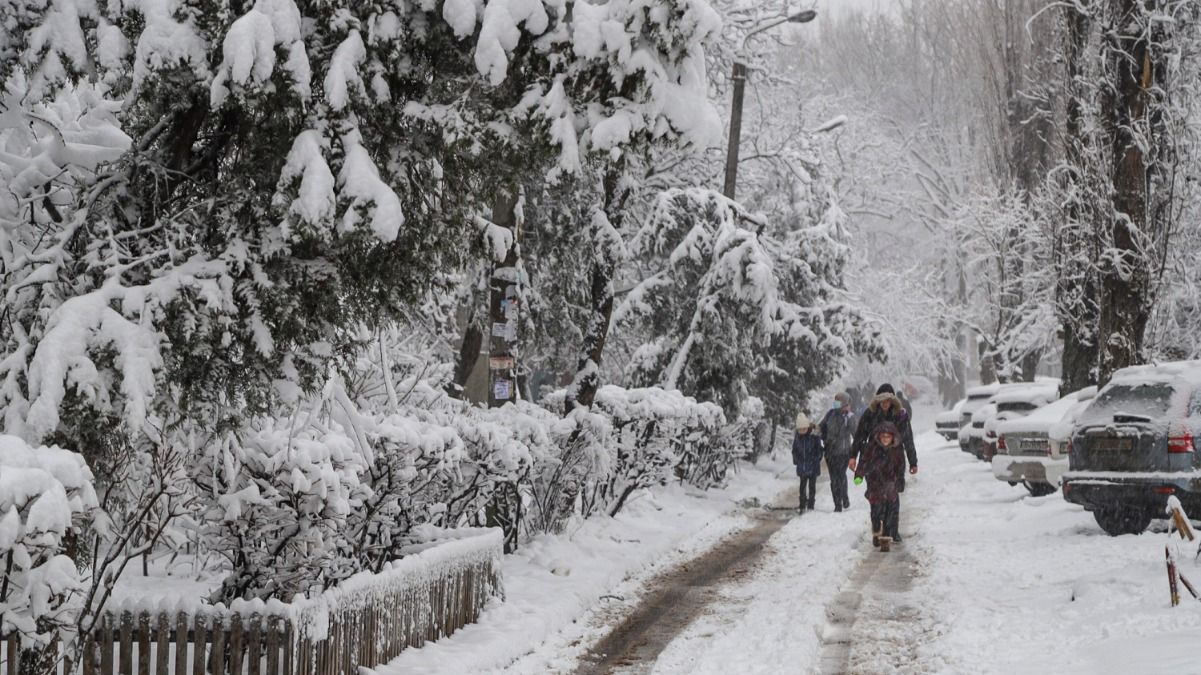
[988, 580]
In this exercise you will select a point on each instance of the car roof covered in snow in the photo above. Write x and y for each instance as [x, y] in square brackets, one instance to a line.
[1021, 392]
[1154, 373]
[983, 390]
[1044, 418]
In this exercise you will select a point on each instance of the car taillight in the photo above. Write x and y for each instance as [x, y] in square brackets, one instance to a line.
[1180, 444]
[1000, 443]
[1068, 449]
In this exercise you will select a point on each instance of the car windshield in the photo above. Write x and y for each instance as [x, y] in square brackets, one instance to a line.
[1016, 406]
[1145, 400]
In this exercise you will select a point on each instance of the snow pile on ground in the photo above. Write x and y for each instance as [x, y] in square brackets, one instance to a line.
[553, 580]
[1017, 584]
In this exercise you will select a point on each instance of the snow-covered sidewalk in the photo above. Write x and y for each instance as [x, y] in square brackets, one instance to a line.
[988, 580]
[1010, 583]
[555, 581]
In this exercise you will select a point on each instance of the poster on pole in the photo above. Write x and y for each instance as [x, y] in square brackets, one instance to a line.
[502, 390]
[501, 363]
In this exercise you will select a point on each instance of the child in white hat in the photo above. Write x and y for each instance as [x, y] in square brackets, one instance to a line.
[807, 452]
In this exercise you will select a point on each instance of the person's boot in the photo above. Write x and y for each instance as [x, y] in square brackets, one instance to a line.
[811, 506]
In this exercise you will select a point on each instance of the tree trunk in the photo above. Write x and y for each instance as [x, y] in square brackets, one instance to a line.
[606, 239]
[1076, 290]
[1126, 272]
[469, 353]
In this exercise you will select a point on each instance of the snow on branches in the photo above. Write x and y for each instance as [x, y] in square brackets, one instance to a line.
[734, 306]
[46, 499]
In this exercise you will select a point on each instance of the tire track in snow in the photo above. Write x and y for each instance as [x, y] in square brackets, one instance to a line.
[683, 593]
[872, 624]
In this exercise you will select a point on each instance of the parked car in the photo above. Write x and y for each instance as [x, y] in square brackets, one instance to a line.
[1032, 450]
[1014, 401]
[1007, 401]
[977, 397]
[1135, 445]
[946, 423]
[971, 436]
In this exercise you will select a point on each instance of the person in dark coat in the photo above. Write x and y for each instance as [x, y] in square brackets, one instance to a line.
[838, 435]
[883, 466]
[807, 451]
[885, 407]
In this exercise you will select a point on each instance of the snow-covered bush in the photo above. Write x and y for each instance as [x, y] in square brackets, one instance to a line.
[654, 435]
[46, 501]
[278, 497]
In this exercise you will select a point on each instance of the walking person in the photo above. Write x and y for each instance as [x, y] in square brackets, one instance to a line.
[885, 407]
[838, 436]
[807, 451]
[883, 466]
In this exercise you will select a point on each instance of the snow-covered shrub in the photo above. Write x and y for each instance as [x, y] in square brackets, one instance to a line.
[747, 431]
[654, 435]
[278, 497]
[563, 485]
[46, 500]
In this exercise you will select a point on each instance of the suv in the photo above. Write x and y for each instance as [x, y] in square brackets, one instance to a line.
[946, 423]
[1135, 445]
[1032, 450]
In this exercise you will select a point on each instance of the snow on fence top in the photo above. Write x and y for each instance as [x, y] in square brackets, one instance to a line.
[445, 552]
[399, 578]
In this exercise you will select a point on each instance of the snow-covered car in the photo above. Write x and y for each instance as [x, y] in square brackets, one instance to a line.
[971, 436]
[977, 397]
[1014, 401]
[1135, 445]
[1032, 450]
[946, 423]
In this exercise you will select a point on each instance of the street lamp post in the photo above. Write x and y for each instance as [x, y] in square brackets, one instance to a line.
[738, 77]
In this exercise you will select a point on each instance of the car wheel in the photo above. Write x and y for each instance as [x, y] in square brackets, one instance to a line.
[1012, 483]
[1125, 521]
[1039, 489]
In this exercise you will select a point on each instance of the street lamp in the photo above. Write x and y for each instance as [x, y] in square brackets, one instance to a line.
[739, 78]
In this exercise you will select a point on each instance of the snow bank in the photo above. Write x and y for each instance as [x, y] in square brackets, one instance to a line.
[1010, 583]
[555, 585]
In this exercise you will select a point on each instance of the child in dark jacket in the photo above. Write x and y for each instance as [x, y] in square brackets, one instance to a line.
[883, 465]
[807, 451]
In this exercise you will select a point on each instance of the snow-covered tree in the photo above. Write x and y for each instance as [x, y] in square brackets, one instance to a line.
[738, 306]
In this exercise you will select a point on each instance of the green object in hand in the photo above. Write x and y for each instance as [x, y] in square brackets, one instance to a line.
[858, 480]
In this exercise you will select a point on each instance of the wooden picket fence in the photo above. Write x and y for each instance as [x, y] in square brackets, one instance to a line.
[367, 624]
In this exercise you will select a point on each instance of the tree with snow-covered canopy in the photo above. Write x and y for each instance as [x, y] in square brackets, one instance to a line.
[740, 306]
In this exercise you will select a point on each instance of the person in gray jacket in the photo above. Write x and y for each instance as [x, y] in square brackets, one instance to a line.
[838, 434]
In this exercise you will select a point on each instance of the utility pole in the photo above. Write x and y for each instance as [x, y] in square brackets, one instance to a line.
[738, 77]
